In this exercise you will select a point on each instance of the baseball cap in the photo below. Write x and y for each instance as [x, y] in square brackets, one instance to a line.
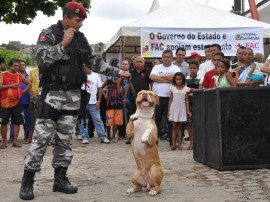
[77, 9]
[196, 55]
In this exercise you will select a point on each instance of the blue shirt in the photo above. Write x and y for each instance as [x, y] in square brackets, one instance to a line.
[25, 99]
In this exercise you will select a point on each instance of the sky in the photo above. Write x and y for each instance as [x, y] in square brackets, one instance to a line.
[105, 19]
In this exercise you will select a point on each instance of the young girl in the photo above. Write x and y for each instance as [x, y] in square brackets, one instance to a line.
[224, 79]
[178, 107]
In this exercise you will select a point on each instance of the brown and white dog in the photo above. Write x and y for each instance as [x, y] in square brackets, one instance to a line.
[142, 131]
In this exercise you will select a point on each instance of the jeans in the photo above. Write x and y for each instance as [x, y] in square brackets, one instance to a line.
[160, 112]
[95, 115]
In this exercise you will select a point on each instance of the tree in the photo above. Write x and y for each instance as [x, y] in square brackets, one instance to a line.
[8, 54]
[12, 47]
[18, 11]
[98, 47]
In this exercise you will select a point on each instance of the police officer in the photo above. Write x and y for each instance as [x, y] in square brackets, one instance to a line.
[62, 50]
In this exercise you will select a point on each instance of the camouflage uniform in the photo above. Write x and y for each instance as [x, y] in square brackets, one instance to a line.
[49, 51]
[61, 76]
[63, 129]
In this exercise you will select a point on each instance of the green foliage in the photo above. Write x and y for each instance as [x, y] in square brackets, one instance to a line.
[18, 11]
[9, 54]
[98, 47]
[12, 47]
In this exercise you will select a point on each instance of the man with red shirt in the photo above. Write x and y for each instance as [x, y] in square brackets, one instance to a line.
[209, 78]
[10, 82]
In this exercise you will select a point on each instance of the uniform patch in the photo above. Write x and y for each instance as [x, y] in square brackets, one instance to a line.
[42, 37]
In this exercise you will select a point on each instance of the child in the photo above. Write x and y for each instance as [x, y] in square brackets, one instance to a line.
[224, 79]
[209, 77]
[178, 107]
[114, 114]
[255, 73]
[192, 81]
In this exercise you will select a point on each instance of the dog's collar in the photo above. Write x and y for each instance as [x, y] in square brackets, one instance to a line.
[145, 117]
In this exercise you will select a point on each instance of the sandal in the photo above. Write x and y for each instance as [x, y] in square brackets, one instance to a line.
[173, 147]
[16, 145]
[50, 143]
[27, 141]
[190, 147]
[180, 147]
[3, 146]
[114, 140]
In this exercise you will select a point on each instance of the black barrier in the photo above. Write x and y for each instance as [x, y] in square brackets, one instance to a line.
[199, 138]
[237, 128]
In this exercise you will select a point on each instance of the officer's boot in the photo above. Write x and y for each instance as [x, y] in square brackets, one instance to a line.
[61, 182]
[26, 192]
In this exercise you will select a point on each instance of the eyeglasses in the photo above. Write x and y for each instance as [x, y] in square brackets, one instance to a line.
[16, 65]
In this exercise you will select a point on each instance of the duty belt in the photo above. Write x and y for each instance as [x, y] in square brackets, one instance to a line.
[63, 87]
[46, 87]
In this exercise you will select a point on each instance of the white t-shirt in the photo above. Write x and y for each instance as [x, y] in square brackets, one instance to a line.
[208, 65]
[163, 89]
[92, 85]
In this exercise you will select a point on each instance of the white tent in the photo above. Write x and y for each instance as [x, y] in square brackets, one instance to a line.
[179, 14]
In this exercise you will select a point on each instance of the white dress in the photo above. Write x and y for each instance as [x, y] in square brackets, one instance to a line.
[178, 112]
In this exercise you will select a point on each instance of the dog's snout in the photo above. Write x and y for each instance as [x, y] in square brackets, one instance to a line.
[145, 95]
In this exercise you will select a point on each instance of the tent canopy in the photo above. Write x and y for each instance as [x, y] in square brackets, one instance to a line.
[178, 14]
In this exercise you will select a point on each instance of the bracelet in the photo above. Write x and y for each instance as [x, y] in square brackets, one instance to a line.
[98, 101]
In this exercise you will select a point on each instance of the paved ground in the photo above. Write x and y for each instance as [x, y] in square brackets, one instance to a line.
[102, 173]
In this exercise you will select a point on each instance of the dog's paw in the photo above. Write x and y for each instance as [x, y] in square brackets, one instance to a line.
[130, 190]
[133, 117]
[146, 135]
[152, 192]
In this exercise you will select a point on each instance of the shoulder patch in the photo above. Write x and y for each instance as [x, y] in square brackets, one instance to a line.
[42, 37]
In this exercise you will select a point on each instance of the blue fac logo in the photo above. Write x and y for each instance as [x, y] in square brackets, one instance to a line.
[238, 36]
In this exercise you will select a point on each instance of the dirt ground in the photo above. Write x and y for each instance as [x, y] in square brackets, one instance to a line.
[103, 172]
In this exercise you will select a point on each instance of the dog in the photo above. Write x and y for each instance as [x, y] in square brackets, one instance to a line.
[142, 131]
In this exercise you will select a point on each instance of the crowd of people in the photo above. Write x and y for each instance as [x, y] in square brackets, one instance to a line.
[47, 100]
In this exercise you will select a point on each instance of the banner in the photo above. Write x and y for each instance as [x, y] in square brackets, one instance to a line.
[155, 41]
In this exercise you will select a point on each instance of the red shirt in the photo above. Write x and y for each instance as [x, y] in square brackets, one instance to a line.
[10, 97]
[209, 79]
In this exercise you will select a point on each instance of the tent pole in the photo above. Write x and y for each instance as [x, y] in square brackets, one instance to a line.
[253, 10]
[123, 41]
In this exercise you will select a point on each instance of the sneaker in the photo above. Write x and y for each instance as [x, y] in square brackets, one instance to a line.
[79, 137]
[105, 140]
[85, 141]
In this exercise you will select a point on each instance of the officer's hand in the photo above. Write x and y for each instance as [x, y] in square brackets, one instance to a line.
[68, 36]
[124, 74]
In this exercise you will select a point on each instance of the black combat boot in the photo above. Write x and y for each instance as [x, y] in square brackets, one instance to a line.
[61, 182]
[26, 192]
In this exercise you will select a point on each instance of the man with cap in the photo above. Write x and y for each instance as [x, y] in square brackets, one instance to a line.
[62, 51]
[194, 56]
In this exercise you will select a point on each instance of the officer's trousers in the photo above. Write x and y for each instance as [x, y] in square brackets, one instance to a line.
[62, 128]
